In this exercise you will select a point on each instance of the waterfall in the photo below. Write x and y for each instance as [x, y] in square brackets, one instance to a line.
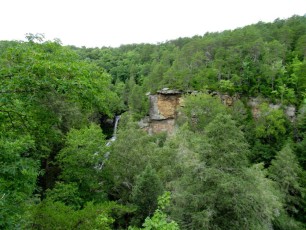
[113, 138]
[117, 118]
[99, 166]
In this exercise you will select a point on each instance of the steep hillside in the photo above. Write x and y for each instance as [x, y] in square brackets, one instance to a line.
[233, 158]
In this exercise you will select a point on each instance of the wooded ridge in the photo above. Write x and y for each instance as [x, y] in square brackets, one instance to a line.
[233, 159]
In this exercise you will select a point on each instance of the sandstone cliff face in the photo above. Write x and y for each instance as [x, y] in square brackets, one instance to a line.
[163, 111]
[164, 106]
[159, 126]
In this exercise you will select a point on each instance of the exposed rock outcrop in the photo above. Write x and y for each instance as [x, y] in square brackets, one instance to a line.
[167, 125]
[165, 103]
[254, 103]
[163, 111]
[228, 100]
[290, 112]
[163, 106]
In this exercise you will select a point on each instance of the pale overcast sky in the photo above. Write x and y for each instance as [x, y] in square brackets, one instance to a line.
[97, 23]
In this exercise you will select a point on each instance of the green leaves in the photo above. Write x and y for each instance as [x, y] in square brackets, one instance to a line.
[129, 155]
[286, 171]
[226, 86]
[145, 192]
[80, 159]
[18, 175]
[42, 83]
[160, 219]
[56, 215]
[51, 95]
[228, 148]
[271, 123]
[67, 193]
[218, 188]
[200, 109]
[46, 90]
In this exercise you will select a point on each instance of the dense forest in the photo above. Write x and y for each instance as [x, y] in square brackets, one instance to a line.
[222, 168]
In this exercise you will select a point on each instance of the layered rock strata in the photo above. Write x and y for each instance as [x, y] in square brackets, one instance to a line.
[163, 111]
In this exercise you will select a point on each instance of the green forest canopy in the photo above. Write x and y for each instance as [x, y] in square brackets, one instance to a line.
[222, 170]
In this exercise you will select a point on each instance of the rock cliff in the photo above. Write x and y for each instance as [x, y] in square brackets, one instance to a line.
[163, 111]
[165, 103]
[164, 106]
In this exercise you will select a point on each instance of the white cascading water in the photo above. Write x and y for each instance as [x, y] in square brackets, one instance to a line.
[109, 142]
[113, 138]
